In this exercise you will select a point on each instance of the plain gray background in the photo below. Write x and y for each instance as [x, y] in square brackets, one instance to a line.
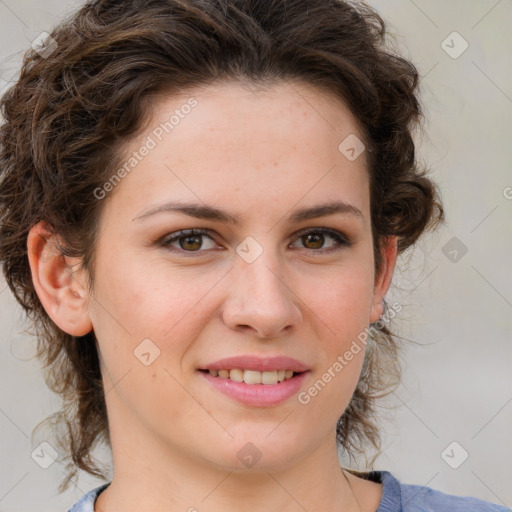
[457, 382]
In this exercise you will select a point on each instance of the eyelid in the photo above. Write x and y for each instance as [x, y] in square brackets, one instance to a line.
[342, 241]
[340, 238]
[182, 233]
[334, 233]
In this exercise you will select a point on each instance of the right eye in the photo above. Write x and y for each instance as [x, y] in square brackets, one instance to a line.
[189, 240]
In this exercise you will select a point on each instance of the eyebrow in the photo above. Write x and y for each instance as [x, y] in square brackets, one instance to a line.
[202, 211]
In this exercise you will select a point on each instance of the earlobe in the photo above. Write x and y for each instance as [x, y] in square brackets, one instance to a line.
[384, 278]
[63, 297]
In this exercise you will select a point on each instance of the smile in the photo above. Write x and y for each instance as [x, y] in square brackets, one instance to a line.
[255, 393]
[253, 376]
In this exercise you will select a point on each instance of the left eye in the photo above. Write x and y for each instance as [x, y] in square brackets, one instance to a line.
[190, 240]
[316, 237]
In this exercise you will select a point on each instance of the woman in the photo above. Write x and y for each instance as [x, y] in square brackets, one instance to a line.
[202, 204]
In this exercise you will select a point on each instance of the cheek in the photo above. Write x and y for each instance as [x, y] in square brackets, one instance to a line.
[148, 300]
[342, 307]
[342, 300]
[133, 305]
[137, 302]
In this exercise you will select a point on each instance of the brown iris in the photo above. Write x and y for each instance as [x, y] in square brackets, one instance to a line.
[316, 238]
[191, 242]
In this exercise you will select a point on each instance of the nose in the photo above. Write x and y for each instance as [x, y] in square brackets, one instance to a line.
[260, 300]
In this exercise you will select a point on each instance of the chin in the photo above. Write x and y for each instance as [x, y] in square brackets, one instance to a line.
[260, 452]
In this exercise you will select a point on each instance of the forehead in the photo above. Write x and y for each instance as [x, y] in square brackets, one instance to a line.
[227, 106]
[248, 145]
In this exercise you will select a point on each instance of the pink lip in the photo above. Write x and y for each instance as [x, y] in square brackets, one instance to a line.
[262, 395]
[261, 364]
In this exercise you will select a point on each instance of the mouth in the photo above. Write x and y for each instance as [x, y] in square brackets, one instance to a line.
[257, 381]
[252, 377]
[255, 388]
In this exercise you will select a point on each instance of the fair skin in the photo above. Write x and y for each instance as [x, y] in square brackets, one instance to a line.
[260, 155]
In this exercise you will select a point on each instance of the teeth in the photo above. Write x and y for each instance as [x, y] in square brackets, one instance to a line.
[269, 377]
[236, 375]
[253, 376]
[250, 376]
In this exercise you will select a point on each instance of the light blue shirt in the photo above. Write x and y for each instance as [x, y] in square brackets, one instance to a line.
[396, 497]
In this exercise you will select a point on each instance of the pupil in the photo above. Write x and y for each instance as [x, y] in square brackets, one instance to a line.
[316, 238]
[191, 239]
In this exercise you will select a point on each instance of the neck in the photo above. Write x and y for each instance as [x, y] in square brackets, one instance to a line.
[175, 481]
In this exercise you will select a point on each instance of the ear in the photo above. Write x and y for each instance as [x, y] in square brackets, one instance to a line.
[383, 279]
[57, 286]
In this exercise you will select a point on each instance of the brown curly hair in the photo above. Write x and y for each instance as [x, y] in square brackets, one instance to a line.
[69, 114]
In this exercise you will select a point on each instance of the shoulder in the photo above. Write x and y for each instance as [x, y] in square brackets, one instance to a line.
[86, 502]
[401, 497]
[418, 498]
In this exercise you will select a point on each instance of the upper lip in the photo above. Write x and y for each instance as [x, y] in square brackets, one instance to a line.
[257, 363]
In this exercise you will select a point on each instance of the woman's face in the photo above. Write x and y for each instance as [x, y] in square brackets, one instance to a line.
[267, 283]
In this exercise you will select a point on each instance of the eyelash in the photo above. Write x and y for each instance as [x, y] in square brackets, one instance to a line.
[340, 239]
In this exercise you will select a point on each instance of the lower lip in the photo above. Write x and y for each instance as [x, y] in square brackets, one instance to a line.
[262, 395]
